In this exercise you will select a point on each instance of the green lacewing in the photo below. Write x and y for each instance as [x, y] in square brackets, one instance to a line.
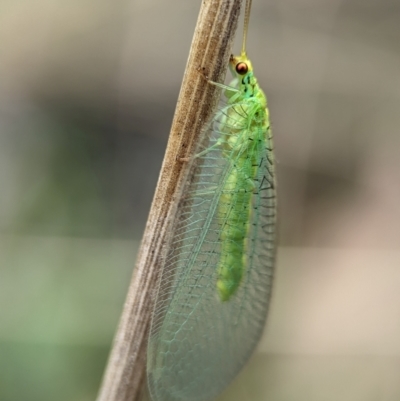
[216, 282]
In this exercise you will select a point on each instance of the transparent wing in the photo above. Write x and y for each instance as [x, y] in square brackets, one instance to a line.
[198, 343]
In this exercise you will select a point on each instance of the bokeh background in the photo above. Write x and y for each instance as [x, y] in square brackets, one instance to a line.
[87, 94]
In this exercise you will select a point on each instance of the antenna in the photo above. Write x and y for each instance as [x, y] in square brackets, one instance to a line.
[246, 25]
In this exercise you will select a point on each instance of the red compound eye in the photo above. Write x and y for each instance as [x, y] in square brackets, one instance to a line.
[242, 68]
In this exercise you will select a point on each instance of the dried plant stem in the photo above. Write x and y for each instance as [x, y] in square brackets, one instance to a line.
[210, 50]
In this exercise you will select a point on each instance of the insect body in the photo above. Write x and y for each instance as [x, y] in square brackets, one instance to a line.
[216, 282]
[244, 139]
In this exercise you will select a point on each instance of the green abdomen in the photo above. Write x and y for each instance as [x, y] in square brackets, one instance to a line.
[234, 213]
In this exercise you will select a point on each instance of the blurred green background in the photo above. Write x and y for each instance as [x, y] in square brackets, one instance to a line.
[87, 94]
